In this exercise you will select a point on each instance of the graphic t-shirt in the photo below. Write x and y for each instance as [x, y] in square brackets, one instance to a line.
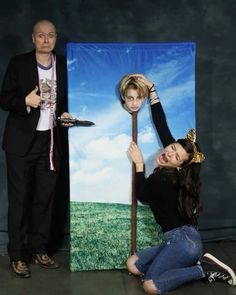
[48, 103]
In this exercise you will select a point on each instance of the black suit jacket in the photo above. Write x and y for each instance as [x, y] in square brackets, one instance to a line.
[20, 79]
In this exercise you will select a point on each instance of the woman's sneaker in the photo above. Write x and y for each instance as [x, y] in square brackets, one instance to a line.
[215, 270]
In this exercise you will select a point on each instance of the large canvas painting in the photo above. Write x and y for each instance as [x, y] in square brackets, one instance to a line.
[100, 171]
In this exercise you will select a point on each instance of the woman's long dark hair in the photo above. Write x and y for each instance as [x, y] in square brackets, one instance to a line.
[189, 205]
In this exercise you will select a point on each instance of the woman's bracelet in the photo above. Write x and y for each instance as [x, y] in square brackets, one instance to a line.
[154, 99]
[152, 88]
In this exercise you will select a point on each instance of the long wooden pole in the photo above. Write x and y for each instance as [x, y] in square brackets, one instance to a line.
[134, 200]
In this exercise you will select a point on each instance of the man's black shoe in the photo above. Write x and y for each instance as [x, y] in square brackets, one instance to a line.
[20, 269]
[45, 261]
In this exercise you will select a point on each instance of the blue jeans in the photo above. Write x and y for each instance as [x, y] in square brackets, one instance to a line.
[174, 262]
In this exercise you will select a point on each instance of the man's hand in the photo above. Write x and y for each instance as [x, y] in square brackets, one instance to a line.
[66, 115]
[33, 99]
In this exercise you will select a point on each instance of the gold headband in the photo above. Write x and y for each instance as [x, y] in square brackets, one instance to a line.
[198, 157]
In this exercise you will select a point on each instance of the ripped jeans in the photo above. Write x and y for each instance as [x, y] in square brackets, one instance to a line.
[174, 262]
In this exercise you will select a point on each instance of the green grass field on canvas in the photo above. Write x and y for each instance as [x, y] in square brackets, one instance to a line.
[101, 234]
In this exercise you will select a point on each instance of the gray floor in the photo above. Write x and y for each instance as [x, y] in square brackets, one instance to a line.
[117, 282]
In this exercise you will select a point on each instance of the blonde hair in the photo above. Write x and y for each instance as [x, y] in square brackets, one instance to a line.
[132, 82]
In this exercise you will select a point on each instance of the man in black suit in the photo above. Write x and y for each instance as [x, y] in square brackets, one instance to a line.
[34, 92]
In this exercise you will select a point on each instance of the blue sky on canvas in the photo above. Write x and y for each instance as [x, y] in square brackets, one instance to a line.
[99, 168]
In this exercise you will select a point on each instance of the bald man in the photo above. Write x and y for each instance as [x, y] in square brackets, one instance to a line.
[34, 92]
